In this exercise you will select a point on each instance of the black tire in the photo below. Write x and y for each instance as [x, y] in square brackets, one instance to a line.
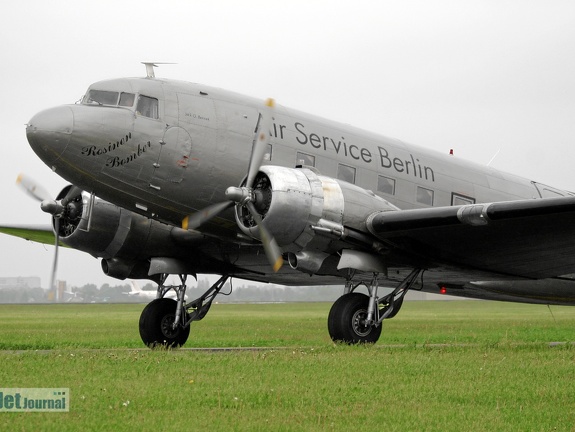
[156, 325]
[344, 320]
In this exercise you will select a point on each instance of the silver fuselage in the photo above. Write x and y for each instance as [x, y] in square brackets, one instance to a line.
[183, 157]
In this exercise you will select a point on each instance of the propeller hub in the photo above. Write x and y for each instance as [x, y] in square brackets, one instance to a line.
[240, 195]
[52, 207]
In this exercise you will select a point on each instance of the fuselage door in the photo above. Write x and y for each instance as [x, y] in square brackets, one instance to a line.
[174, 157]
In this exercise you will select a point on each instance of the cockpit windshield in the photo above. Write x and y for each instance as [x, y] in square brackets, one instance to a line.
[109, 98]
[146, 106]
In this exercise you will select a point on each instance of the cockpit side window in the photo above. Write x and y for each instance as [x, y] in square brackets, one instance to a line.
[127, 99]
[147, 107]
[102, 97]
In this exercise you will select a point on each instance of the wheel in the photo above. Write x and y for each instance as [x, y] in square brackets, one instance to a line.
[346, 320]
[156, 325]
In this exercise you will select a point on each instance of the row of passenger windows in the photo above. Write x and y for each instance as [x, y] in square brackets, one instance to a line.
[146, 106]
[385, 184]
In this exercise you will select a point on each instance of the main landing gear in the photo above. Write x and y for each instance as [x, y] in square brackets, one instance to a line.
[165, 322]
[353, 318]
[357, 318]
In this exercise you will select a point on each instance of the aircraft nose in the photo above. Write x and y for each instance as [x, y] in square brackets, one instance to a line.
[49, 132]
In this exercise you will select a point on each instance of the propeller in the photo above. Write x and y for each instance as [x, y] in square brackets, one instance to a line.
[273, 251]
[195, 220]
[34, 190]
[245, 196]
[59, 209]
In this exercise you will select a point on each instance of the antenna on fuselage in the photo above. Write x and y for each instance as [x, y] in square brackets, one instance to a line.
[494, 156]
[150, 68]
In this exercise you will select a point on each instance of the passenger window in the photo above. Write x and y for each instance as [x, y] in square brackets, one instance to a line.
[346, 173]
[424, 196]
[305, 159]
[127, 99]
[386, 185]
[458, 199]
[147, 107]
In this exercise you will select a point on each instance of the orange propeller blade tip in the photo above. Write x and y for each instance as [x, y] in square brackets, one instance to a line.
[19, 178]
[185, 222]
[270, 102]
[278, 264]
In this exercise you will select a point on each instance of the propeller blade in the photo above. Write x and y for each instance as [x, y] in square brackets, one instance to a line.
[55, 208]
[197, 219]
[260, 146]
[55, 262]
[273, 251]
[32, 188]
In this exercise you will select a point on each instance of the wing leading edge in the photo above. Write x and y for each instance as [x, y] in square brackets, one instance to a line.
[37, 233]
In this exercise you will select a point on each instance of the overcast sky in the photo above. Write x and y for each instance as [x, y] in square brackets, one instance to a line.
[476, 76]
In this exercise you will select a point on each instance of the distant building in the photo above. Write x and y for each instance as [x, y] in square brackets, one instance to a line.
[19, 282]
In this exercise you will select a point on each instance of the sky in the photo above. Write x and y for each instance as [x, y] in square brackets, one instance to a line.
[483, 78]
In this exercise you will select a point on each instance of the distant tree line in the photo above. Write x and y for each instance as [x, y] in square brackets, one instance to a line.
[238, 292]
[23, 295]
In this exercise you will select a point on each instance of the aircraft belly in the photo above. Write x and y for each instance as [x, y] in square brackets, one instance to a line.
[477, 284]
[543, 291]
[249, 262]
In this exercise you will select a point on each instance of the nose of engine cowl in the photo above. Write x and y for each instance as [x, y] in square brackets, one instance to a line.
[49, 132]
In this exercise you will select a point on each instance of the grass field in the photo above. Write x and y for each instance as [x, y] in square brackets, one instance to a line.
[448, 366]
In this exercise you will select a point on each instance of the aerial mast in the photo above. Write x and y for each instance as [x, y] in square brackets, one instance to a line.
[150, 68]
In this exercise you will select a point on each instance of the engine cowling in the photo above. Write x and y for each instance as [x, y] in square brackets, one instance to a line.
[297, 203]
[123, 239]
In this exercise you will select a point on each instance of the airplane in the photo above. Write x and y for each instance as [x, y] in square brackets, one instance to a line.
[138, 293]
[176, 178]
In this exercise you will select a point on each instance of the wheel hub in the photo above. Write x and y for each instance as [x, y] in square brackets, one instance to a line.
[167, 326]
[359, 323]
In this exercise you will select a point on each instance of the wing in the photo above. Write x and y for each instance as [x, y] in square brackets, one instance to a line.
[37, 233]
[527, 238]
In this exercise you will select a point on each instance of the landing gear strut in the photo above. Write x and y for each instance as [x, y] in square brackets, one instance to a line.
[166, 322]
[357, 318]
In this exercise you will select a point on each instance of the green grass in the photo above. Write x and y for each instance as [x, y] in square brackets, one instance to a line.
[446, 366]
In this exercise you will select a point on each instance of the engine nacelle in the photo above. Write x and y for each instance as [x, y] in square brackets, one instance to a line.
[297, 204]
[124, 240]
